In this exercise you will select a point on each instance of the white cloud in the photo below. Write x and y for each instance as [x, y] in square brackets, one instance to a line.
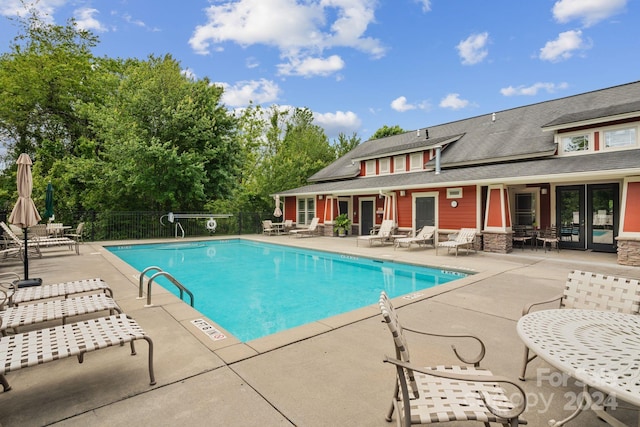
[453, 101]
[563, 47]
[240, 94]
[301, 30]
[86, 21]
[189, 73]
[426, 5]
[333, 124]
[589, 12]
[308, 67]
[45, 8]
[400, 104]
[533, 89]
[473, 49]
[340, 121]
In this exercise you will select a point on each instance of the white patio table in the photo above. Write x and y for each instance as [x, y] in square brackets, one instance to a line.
[601, 349]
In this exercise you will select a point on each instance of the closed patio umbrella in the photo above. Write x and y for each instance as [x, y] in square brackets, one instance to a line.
[48, 202]
[24, 213]
[277, 212]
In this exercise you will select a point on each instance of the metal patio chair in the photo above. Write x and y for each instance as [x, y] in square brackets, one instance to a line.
[446, 393]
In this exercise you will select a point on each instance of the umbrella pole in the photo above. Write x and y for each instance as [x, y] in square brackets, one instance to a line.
[26, 255]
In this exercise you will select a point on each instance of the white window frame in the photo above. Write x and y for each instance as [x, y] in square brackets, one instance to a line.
[400, 163]
[416, 161]
[561, 138]
[604, 131]
[454, 193]
[370, 167]
[385, 166]
[306, 211]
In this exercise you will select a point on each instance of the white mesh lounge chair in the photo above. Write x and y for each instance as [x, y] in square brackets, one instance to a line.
[465, 239]
[447, 393]
[74, 339]
[40, 241]
[422, 238]
[60, 309]
[309, 231]
[586, 290]
[18, 241]
[382, 236]
[267, 227]
[56, 290]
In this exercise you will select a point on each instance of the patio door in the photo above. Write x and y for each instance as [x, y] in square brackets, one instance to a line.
[424, 212]
[587, 216]
[367, 215]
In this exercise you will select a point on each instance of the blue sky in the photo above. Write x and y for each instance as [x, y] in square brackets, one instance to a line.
[362, 64]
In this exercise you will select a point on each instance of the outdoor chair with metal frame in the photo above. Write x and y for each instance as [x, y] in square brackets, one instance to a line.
[423, 237]
[55, 290]
[75, 339]
[550, 236]
[465, 238]
[586, 290]
[447, 393]
[77, 235]
[521, 236]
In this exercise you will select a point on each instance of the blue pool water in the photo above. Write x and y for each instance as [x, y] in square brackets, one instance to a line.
[254, 289]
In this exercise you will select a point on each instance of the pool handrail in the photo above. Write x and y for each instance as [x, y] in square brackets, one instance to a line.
[172, 279]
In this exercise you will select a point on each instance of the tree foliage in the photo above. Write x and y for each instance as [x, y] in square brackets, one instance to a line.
[387, 131]
[131, 134]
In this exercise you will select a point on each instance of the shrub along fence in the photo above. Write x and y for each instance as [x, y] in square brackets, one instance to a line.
[100, 226]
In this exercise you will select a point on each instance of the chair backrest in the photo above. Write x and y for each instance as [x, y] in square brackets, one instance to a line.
[80, 228]
[267, 224]
[385, 228]
[288, 223]
[466, 235]
[9, 232]
[426, 232]
[314, 223]
[402, 349]
[39, 230]
[592, 291]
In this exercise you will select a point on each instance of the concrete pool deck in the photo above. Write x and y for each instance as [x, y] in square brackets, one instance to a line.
[326, 373]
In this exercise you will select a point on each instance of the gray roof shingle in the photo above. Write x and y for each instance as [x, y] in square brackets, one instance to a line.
[515, 134]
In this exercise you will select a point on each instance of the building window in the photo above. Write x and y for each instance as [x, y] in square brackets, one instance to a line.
[619, 138]
[370, 167]
[384, 165]
[416, 161]
[306, 210]
[399, 164]
[454, 193]
[525, 209]
[576, 143]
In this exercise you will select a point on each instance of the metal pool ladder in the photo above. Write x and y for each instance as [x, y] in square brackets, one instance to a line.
[160, 272]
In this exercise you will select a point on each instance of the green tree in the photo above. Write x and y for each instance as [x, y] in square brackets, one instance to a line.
[344, 144]
[45, 75]
[387, 131]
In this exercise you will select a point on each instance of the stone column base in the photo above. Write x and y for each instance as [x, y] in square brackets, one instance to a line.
[497, 242]
[628, 251]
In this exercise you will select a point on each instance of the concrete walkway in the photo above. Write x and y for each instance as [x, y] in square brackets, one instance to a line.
[329, 373]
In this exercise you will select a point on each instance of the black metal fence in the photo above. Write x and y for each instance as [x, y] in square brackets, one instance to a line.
[99, 226]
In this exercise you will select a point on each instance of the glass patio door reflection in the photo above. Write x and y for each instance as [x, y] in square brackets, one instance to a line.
[570, 216]
[587, 216]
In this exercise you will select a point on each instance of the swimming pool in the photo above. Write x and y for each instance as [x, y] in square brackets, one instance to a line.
[255, 289]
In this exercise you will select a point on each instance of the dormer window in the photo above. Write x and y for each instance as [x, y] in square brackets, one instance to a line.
[384, 166]
[575, 143]
[416, 161]
[620, 138]
[370, 167]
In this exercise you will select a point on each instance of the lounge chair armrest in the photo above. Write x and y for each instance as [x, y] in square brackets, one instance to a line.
[527, 308]
[475, 361]
[518, 407]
